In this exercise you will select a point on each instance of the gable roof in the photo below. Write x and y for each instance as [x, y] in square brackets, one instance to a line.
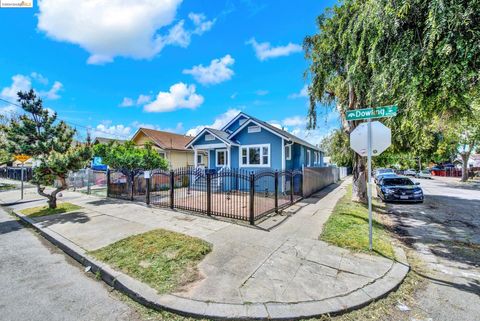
[220, 134]
[278, 131]
[165, 140]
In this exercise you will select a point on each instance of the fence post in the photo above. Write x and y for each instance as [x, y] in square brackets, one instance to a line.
[291, 187]
[132, 188]
[276, 191]
[147, 196]
[252, 198]
[209, 193]
[108, 182]
[88, 181]
[172, 189]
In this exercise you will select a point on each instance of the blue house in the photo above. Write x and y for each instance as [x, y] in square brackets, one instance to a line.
[252, 144]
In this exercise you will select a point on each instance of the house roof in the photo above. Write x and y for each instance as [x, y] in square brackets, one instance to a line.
[222, 135]
[279, 131]
[165, 140]
[106, 140]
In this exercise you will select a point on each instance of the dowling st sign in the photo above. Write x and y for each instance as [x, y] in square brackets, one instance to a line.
[371, 113]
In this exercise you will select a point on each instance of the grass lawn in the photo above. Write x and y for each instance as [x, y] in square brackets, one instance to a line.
[44, 210]
[165, 260]
[6, 187]
[348, 227]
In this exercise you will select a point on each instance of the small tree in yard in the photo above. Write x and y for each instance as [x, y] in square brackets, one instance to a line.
[38, 133]
[130, 158]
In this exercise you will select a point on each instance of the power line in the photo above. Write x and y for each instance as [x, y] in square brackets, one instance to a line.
[73, 124]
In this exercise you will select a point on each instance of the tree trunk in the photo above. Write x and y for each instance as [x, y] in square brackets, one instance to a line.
[465, 156]
[52, 198]
[359, 188]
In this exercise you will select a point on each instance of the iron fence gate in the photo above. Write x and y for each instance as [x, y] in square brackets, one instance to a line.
[231, 193]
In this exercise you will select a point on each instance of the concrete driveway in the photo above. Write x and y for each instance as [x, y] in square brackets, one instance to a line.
[445, 232]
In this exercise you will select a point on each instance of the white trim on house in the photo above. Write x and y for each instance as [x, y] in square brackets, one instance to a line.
[258, 124]
[247, 147]
[309, 158]
[200, 135]
[288, 156]
[199, 156]
[210, 146]
[217, 151]
[254, 129]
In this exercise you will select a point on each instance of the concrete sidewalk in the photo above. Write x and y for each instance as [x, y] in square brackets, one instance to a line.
[286, 273]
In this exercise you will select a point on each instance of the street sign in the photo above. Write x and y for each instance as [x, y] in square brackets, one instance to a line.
[22, 158]
[381, 138]
[371, 113]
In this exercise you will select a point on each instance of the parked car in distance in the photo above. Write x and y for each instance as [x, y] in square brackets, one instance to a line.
[381, 171]
[425, 173]
[399, 189]
[410, 172]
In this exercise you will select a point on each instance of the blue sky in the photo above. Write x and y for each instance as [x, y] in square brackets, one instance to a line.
[112, 66]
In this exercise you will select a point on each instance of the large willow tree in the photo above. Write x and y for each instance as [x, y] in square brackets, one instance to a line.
[422, 55]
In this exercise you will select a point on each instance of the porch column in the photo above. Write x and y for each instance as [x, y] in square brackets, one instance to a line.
[195, 158]
[228, 157]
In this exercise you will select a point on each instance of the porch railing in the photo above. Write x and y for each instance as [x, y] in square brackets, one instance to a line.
[231, 193]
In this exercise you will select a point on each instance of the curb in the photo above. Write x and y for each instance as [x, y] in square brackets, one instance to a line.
[148, 297]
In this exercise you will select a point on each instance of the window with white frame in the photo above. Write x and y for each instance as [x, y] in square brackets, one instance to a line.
[254, 129]
[209, 137]
[288, 152]
[162, 154]
[308, 158]
[255, 155]
[222, 157]
[316, 158]
[199, 159]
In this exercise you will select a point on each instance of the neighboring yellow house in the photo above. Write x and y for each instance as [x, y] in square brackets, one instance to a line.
[170, 146]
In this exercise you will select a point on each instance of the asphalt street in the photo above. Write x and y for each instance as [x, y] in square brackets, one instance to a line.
[445, 232]
[38, 282]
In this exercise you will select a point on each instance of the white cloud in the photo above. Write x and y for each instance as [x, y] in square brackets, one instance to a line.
[214, 73]
[234, 95]
[127, 102]
[218, 123]
[303, 93]
[261, 92]
[52, 94]
[19, 83]
[24, 83]
[143, 99]
[265, 50]
[39, 77]
[179, 96]
[177, 129]
[297, 125]
[107, 29]
[112, 131]
[295, 121]
[201, 23]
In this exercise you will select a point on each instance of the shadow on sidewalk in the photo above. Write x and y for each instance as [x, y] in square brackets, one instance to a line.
[72, 217]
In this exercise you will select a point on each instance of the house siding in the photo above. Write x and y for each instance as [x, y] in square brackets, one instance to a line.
[262, 137]
[201, 141]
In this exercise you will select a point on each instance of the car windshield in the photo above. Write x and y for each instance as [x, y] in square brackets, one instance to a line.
[426, 171]
[397, 181]
[384, 170]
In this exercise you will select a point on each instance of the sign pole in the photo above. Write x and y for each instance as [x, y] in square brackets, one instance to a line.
[21, 184]
[369, 186]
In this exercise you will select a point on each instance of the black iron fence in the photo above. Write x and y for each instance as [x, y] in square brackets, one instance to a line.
[16, 173]
[231, 193]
